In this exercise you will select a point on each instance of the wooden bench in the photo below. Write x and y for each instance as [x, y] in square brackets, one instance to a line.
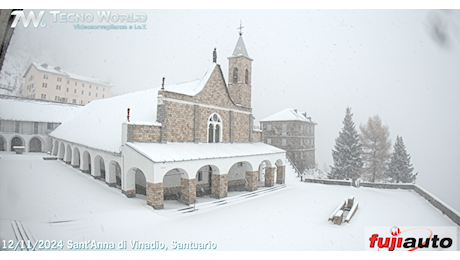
[351, 213]
[340, 207]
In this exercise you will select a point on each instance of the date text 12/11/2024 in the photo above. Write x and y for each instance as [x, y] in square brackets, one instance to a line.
[40, 245]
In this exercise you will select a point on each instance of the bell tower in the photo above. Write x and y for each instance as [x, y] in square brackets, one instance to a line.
[239, 73]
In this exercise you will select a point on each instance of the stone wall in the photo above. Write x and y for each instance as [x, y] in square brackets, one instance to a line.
[237, 185]
[328, 181]
[155, 196]
[251, 180]
[448, 211]
[188, 191]
[143, 133]
[280, 174]
[172, 193]
[240, 91]
[256, 136]
[219, 186]
[269, 176]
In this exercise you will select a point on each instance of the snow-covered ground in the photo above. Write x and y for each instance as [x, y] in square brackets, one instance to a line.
[52, 201]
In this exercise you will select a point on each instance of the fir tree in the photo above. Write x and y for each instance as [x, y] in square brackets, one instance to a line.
[347, 153]
[400, 169]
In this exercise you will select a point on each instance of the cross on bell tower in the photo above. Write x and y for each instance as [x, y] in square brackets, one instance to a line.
[240, 28]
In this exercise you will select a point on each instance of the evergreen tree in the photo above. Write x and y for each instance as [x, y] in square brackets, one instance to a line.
[347, 153]
[374, 139]
[400, 169]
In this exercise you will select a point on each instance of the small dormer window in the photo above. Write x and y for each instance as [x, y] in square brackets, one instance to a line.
[235, 75]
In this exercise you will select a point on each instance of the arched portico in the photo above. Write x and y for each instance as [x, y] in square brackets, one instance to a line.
[99, 167]
[76, 158]
[134, 183]
[55, 147]
[36, 145]
[178, 186]
[280, 172]
[61, 151]
[237, 176]
[113, 179]
[86, 162]
[203, 179]
[17, 141]
[68, 154]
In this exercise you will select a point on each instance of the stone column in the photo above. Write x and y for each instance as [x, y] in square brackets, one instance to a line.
[155, 196]
[187, 191]
[129, 193]
[269, 176]
[280, 174]
[219, 186]
[251, 180]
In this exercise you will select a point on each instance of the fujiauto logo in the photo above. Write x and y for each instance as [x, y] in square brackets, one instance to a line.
[411, 238]
[64, 17]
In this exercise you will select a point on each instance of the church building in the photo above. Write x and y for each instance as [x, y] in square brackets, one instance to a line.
[175, 142]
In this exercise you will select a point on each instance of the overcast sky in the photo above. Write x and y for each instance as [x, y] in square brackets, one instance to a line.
[392, 63]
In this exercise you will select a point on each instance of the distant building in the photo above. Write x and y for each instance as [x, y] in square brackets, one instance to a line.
[25, 122]
[293, 132]
[46, 82]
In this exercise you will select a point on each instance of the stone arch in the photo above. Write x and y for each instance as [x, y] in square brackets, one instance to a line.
[36, 145]
[61, 151]
[55, 147]
[280, 172]
[135, 183]
[68, 154]
[203, 179]
[114, 176]
[237, 176]
[17, 141]
[261, 173]
[86, 162]
[76, 158]
[178, 186]
[99, 167]
[2, 143]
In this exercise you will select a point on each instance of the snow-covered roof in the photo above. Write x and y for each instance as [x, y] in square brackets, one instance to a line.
[58, 70]
[170, 152]
[288, 114]
[192, 88]
[36, 111]
[99, 123]
[240, 49]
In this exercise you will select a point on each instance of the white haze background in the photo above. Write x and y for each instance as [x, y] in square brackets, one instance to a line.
[385, 62]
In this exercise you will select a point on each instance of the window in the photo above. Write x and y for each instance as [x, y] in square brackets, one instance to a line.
[67, 89]
[269, 141]
[82, 92]
[200, 176]
[43, 96]
[103, 89]
[96, 94]
[96, 87]
[81, 102]
[68, 81]
[235, 75]
[16, 126]
[50, 126]
[89, 86]
[83, 84]
[44, 85]
[269, 127]
[35, 127]
[246, 77]
[75, 91]
[75, 83]
[45, 76]
[284, 129]
[214, 129]
[102, 95]
[59, 79]
[89, 94]
[283, 142]
[74, 101]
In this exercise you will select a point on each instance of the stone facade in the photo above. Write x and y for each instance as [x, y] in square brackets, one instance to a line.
[296, 137]
[280, 174]
[240, 91]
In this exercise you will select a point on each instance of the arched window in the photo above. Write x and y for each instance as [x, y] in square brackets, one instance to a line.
[235, 75]
[246, 77]
[214, 129]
